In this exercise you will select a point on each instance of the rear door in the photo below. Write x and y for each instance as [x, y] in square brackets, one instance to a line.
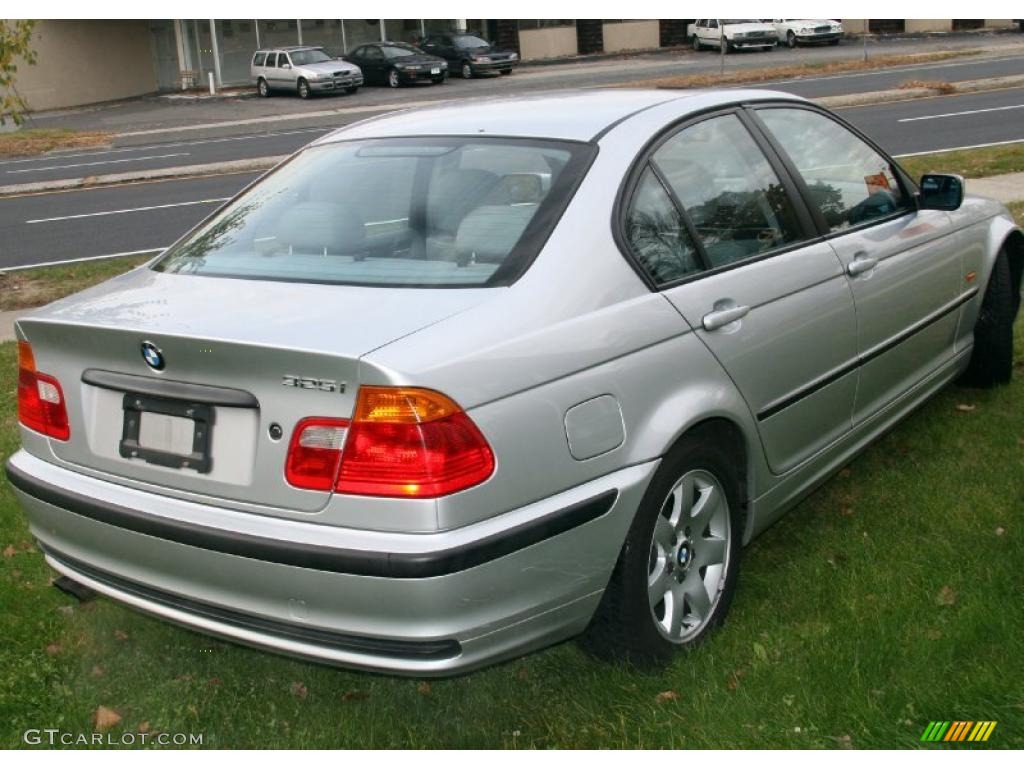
[903, 264]
[719, 228]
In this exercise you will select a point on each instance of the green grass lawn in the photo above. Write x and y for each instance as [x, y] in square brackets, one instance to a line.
[26, 288]
[891, 597]
[969, 163]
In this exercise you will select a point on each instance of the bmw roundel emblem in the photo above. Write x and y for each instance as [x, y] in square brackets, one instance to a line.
[153, 356]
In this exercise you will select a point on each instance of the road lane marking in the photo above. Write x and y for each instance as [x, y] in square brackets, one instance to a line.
[128, 210]
[151, 147]
[98, 162]
[83, 258]
[960, 114]
[957, 149]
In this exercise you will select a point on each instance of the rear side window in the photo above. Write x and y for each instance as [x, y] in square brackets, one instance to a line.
[848, 181]
[725, 184]
[427, 212]
[657, 234]
[271, 59]
[258, 59]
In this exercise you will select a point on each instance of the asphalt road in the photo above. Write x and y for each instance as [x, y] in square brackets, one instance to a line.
[39, 229]
[166, 134]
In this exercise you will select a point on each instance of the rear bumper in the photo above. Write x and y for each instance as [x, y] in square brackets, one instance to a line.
[418, 604]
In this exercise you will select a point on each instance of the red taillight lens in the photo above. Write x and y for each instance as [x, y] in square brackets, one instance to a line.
[401, 442]
[41, 404]
[314, 453]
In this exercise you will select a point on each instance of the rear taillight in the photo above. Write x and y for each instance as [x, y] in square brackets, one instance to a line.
[41, 404]
[401, 442]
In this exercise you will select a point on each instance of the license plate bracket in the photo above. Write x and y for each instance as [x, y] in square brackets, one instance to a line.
[200, 414]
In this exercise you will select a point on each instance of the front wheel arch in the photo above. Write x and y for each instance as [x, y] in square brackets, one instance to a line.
[1014, 248]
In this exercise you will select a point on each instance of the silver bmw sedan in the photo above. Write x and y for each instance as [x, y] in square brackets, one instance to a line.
[452, 385]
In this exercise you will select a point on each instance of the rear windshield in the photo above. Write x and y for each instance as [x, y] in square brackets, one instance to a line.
[419, 212]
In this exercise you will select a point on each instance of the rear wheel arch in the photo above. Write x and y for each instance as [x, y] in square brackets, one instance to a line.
[728, 436]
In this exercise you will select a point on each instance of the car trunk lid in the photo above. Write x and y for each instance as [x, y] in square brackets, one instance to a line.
[238, 356]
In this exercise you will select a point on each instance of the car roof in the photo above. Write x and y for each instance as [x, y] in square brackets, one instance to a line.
[579, 116]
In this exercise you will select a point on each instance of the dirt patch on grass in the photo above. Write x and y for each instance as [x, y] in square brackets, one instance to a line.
[36, 141]
[794, 71]
[34, 287]
[940, 87]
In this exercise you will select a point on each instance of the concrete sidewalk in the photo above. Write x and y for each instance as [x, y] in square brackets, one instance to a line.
[1008, 188]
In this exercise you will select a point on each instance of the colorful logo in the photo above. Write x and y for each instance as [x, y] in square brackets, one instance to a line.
[958, 730]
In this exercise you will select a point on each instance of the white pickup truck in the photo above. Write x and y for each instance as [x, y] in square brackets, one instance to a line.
[732, 34]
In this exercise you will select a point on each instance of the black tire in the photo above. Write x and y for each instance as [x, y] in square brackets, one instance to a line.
[466, 70]
[394, 79]
[441, 79]
[352, 89]
[695, 42]
[834, 42]
[623, 628]
[506, 71]
[992, 356]
[791, 39]
[263, 88]
[303, 89]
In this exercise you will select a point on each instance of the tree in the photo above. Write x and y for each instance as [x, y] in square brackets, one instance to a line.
[15, 44]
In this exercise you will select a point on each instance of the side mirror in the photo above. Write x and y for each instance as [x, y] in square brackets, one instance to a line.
[941, 192]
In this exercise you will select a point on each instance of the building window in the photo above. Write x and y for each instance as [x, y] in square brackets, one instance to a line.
[545, 23]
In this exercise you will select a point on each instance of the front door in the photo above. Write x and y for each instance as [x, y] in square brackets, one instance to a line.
[716, 225]
[903, 264]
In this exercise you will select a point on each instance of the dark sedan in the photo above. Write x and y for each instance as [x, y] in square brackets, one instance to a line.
[470, 55]
[396, 64]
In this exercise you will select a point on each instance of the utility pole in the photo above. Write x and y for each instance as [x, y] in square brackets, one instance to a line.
[864, 37]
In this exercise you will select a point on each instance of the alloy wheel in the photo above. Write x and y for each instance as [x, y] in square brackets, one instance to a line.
[393, 78]
[689, 555]
[467, 71]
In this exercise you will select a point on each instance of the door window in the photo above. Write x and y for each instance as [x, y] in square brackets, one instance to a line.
[848, 181]
[282, 60]
[271, 59]
[735, 201]
[657, 234]
[258, 59]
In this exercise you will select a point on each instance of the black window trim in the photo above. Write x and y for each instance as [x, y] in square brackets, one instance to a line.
[907, 186]
[809, 233]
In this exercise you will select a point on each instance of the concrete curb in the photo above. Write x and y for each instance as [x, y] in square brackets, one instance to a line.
[155, 174]
[902, 94]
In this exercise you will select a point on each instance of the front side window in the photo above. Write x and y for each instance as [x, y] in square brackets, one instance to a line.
[727, 187]
[258, 59]
[657, 234]
[848, 181]
[402, 212]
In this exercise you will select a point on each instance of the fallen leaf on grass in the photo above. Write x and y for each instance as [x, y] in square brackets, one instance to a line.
[66, 610]
[846, 512]
[299, 691]
[143, 727]
[946, 596]
[354, 696]
[667, 696]
[53, 649]
[965, 408]
[120, 634]
[523, 673]
[105, 718]
[933, 634]
[1000, 530]
[423, 689]
[98, 671]
[213, 682]
[9, 551]
[845, 472]
[845, 741]
[760, 652]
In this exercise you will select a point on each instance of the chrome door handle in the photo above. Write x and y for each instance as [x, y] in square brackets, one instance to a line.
[722, 317]
[860, 265]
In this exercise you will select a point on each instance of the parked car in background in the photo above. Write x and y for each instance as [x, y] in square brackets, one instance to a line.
[732, 34]
[470, 55]
[396, 64]
[795, 32]
[454, 384]
[304, 70]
